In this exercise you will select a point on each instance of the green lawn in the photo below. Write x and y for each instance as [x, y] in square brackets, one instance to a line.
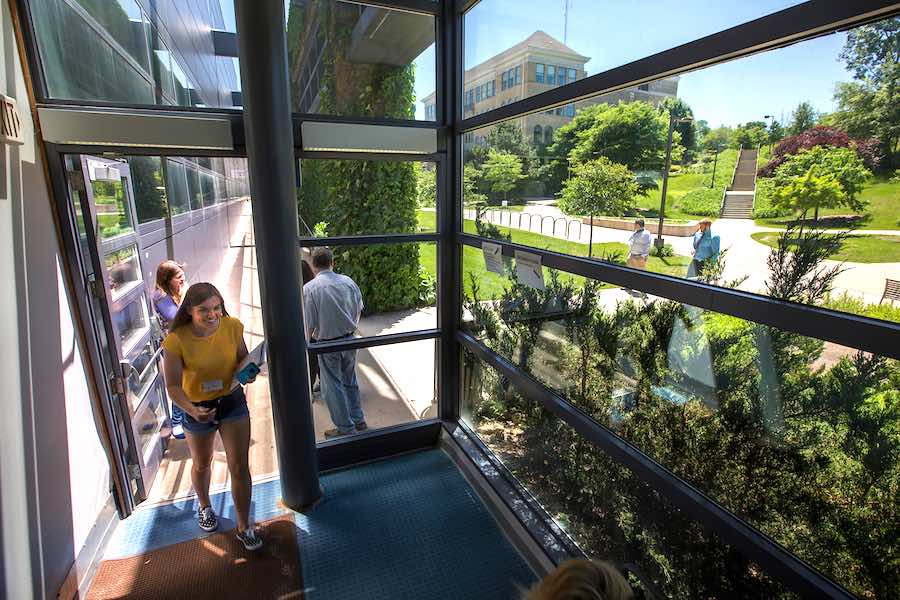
[680, 184]
[883, 211]
[492, 284]
[857, 248]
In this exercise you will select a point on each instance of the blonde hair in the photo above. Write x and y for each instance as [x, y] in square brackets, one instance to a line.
[582, 579]
[705, 221]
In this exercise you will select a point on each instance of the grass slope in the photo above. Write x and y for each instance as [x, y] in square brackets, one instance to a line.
[492, 284]
[857, 248]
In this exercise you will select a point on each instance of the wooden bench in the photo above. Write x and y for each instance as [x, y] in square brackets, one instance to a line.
[891, 290]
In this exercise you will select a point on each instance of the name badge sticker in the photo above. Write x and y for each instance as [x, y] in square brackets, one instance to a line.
[213, 385]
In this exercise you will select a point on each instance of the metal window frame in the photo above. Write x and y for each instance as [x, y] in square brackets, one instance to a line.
[813, 18]
[788, 568]
[862, 333]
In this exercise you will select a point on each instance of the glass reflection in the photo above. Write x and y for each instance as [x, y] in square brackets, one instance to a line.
[123, 270]
[788, 432]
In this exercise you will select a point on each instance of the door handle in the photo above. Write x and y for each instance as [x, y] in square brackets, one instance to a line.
[131, 369]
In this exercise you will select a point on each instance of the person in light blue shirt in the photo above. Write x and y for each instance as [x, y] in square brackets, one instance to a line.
[332, 305]
[706, 248]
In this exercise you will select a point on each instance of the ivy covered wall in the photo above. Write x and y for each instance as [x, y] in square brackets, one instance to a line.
[352, 196]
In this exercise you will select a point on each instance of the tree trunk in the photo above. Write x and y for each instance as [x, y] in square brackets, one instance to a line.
[591, 238]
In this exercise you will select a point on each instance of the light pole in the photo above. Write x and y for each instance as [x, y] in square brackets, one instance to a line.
[717, 149]
[771, 124]
[665, 182]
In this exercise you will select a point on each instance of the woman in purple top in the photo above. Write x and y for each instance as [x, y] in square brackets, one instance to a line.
[166, 298]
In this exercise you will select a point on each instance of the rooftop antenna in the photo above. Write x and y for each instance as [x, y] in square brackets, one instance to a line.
[566, 23]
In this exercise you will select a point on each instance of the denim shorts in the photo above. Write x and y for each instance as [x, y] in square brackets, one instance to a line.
[228, 408]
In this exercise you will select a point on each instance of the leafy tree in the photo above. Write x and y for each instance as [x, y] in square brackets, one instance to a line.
[426, 185]
[820, 177]
[776, 132]
[502, 171]
[821, 135]
[633, 134]
[471, 174]
[803, 118]
[687, 130]
[599, 187]
[870, 107]
[720, 137]
[701, 126]
[750, 135]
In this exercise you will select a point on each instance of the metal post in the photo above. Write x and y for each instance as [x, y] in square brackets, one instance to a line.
[449, 86]
[262, 49]
[591, 238]
[662, 201]
[712, 183]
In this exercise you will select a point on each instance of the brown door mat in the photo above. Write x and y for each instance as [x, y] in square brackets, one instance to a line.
[216, 566]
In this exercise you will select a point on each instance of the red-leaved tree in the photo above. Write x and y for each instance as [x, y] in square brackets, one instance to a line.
[823, 135]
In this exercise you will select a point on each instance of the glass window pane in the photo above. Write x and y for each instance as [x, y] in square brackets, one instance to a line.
[196, 194]
[137, 386]
[123, 269]
[738, 164]
[779, 428]
[398, 283]
[609, 512]
[131, 323]
[123, 21]
[150, 419]
[395, 384]
[149, 189]
[106, 50]
[358, 197]
[591, 37]
[110, 200]
[354, 60]
[179, 198]
[162, 64]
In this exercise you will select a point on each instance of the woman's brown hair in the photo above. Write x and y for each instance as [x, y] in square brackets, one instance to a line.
[582, 579]
[165, 272]
[196, 295]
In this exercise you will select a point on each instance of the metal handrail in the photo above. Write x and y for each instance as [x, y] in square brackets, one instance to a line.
[737, 160]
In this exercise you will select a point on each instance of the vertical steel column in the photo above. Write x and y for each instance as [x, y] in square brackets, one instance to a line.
[449, 89]
[262, 49]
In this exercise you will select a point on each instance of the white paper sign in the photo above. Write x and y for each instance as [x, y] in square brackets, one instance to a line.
[528, 270]
[493, 257]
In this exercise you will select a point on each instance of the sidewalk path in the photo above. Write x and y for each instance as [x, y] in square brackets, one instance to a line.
[746, 256]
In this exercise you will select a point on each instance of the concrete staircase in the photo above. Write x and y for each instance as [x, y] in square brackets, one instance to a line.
[738, 202]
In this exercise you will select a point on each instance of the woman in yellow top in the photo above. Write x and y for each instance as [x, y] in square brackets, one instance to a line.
[203, 350]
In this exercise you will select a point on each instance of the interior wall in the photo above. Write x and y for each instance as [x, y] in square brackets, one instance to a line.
[53, 471]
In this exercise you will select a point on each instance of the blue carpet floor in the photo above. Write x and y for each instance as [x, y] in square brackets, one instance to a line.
[406, 527]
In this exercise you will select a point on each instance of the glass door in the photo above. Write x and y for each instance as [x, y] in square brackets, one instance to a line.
[105, 213]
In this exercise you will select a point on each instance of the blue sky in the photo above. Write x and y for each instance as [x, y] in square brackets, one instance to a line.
[615, 32]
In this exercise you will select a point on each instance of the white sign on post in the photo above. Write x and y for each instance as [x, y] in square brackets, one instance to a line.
[493, 257]
[528, 270]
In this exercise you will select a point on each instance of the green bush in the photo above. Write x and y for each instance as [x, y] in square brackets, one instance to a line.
[702, 202]
[762, 204]
[853, 305]
[663, 252]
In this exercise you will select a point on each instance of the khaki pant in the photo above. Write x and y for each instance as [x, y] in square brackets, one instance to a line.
[636, 260]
